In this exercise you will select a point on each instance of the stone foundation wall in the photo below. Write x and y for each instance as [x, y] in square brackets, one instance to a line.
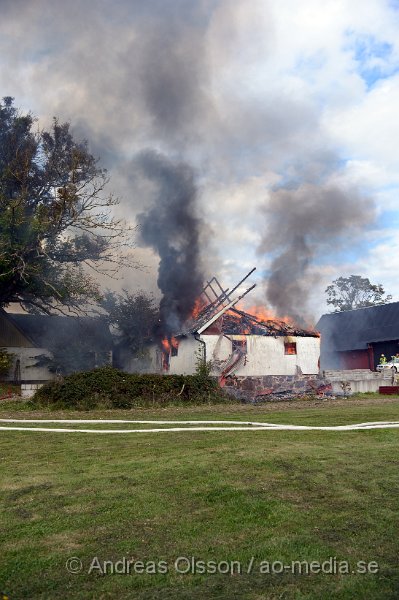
[359, 380]
[274, 387]
[28, 389]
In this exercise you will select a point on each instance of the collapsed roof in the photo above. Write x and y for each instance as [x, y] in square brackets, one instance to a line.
[239, 322]
[219, 315]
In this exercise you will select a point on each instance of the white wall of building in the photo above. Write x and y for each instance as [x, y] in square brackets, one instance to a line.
[265, 355]
[28, 357]
[185, 362]
[218, 347]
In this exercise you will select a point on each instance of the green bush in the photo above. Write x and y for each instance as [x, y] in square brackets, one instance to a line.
[8, 389]
[107, 387]
[6, 360]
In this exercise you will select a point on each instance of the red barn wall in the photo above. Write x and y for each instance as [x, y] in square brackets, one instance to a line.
[355, 359]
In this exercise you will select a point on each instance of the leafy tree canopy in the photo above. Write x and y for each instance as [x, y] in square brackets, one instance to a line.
[348, 293]
[134, 315]
[56, 219]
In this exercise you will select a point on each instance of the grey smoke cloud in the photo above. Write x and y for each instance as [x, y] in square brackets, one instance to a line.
[181, 77]
[303, 223]
[130, 72]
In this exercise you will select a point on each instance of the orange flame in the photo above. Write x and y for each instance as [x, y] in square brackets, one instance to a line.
[165, 345]
[260, 312]
[264, 314]
[168, 344]
[199, 304]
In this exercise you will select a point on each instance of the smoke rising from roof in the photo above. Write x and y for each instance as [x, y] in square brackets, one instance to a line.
[172, 228]
[238, 90]
[302, 224]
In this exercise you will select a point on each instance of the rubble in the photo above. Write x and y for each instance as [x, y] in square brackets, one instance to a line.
[271, 388]
[239, 322]
[219, 306]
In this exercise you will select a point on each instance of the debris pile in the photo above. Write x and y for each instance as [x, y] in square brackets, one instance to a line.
[272, 388]
[239, 322]
[216, 307]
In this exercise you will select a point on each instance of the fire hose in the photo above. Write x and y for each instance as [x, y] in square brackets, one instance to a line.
[193, 426]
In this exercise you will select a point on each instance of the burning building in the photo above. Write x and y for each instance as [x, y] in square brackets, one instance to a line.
[245, 350]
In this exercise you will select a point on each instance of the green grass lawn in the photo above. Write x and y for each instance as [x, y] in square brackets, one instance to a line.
[223, 496]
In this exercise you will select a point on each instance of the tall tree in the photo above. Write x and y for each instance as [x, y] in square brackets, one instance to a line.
[133, 318]
[56, 220]
[347, 293]
[134, 315]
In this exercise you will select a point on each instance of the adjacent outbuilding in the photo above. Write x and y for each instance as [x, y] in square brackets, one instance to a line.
[355, 339]
[30, 339]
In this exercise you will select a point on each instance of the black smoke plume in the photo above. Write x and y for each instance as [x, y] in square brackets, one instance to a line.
[303, 224]
[172, 228]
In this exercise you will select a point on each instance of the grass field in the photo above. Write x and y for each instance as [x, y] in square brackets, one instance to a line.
[245, 497]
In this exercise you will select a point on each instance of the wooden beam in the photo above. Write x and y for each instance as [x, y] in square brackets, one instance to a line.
[224, 309]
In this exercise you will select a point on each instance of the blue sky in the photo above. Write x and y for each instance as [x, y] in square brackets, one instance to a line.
[256, 96]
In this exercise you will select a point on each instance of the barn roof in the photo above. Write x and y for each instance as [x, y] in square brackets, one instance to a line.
[219, 314]
[239, 322]
[354, 329]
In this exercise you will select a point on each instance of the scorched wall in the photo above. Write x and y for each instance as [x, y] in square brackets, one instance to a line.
[265, 355]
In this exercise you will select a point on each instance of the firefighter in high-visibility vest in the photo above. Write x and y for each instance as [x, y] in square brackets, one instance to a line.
[383, 359]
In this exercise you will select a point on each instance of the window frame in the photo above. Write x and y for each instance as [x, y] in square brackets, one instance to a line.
[290, 346]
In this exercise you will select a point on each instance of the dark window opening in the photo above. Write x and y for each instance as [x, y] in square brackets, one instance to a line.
[289, 347]
[175, 350]
[239, 345]
[165, 361]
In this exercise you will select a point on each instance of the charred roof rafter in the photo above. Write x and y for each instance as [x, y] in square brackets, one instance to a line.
[219, 305]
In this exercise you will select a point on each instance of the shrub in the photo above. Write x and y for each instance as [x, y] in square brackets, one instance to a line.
[8, 389]
[107, 387]
[6, 360]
